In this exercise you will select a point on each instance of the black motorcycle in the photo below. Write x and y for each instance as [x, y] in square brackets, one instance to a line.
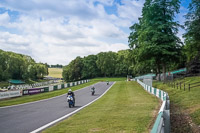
[92, 91]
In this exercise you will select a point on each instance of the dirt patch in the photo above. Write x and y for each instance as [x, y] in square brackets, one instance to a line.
[96, 130]
[181, 122]
[192, 109]
[154, 115]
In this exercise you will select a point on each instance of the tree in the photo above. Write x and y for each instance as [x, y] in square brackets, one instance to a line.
[192, 35]
[123, 63]
[106, 62]
[90, 69]
[73, 71]
[18, 66]
[155, 36]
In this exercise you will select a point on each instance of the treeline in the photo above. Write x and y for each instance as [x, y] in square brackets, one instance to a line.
[55, 66]
[104, 64]
[18, 66]
[154, 45]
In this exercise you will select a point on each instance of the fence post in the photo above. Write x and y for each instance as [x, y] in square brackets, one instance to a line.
[184, 86]
[189, 87]
[180, 85]
[177, 85]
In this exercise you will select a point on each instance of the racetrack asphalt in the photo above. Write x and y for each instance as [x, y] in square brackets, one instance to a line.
[29, 117]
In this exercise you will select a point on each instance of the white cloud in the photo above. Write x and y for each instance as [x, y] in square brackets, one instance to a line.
[4, 19]
[15, 43]
[57, 31]
[130, 9]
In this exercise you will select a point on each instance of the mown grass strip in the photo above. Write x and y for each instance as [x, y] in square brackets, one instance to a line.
[188, 101]
[32, 98]
[126, 107]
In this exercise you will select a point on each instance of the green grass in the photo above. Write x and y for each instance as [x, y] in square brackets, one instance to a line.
[4, 84]
[187, 100]
[55, 72]
[31, 98]
[110, 79]
[126, 107]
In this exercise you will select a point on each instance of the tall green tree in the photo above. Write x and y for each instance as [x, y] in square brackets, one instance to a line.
[192, 35]
[154, 36]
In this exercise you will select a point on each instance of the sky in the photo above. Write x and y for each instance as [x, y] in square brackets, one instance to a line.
[57, 31]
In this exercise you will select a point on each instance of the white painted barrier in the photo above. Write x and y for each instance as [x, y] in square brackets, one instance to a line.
[15, 93]
[162, 123]
[9, 94]
[51, 88]
[71, 84]
[65, 85]
[59, 86]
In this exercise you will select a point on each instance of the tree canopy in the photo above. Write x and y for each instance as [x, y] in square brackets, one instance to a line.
[192, 35]
[103, 64]
[18, 66]
[154, 37]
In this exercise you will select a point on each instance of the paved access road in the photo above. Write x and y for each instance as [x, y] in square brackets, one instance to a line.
[28, 117]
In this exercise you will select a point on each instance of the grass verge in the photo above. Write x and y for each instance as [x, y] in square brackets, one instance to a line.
[32, 98]
[126, 107]
[185, 105]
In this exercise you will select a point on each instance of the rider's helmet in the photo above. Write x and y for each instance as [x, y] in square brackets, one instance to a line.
[69, 90]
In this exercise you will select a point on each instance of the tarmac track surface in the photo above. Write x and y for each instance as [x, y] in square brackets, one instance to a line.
[29, 117]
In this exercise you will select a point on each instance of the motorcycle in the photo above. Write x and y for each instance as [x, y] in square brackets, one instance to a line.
[107, 82]
[70, 100]
[92, 90]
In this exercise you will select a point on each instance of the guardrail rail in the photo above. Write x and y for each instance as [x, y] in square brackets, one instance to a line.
[162, 123]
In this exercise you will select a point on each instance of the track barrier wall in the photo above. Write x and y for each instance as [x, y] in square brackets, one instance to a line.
[10, 94]
[16, 93]
[162, 123]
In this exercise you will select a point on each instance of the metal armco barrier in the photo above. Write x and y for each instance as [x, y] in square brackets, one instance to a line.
[162, 123]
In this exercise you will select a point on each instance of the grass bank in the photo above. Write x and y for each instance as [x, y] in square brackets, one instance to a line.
[31, 98]
[55, 72]
[4, 84]
[126, 107]
[185, 105]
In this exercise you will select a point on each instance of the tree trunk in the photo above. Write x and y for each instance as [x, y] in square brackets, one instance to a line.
[158, 71]
[164, 72]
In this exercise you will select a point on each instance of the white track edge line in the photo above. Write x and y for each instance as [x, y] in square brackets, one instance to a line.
[63, 117]
[43, 99]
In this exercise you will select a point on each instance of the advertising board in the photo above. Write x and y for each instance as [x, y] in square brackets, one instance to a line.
[9, 94]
